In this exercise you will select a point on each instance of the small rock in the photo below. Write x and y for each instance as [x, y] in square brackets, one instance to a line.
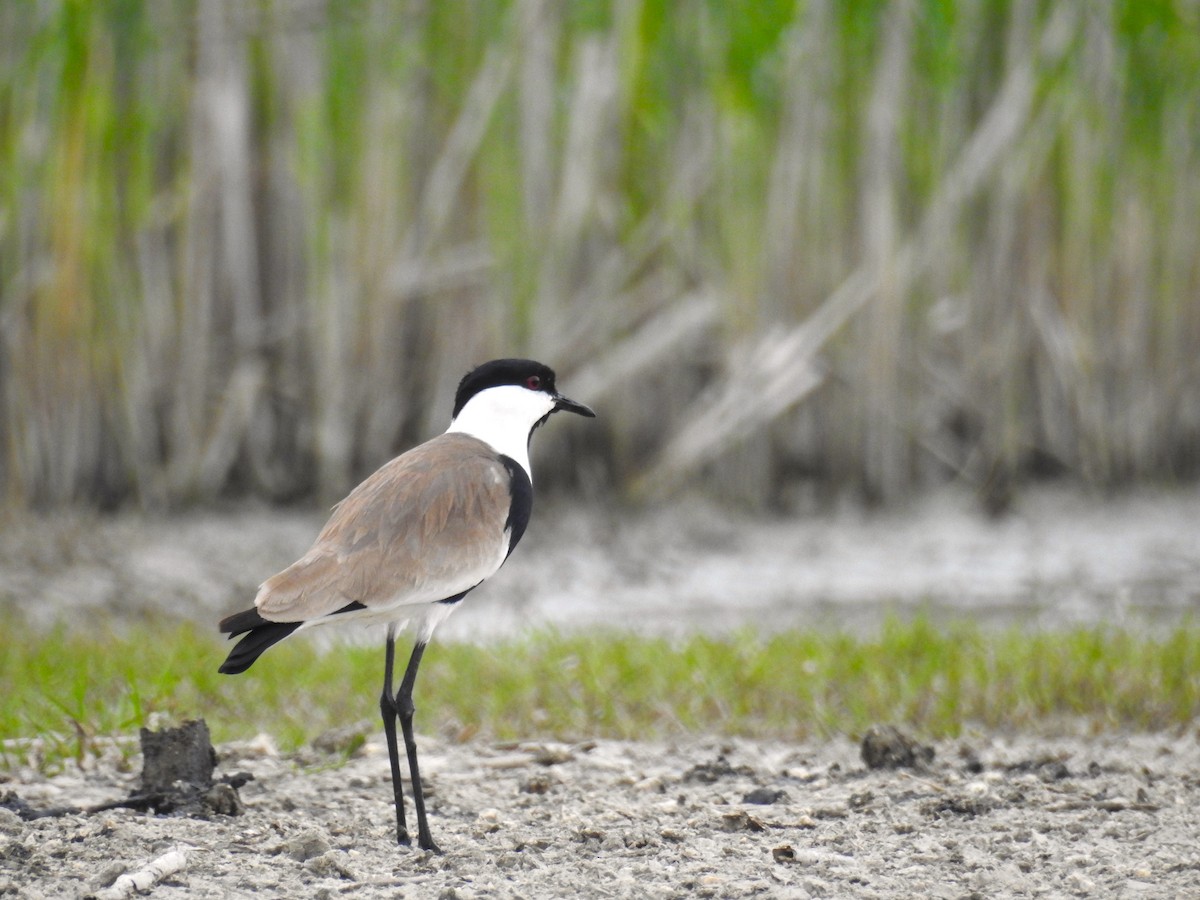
[223, 800]
[1080, 883]
[710, 773]
[784, 853]
[971, 761]
[10, 822]
[741, 821]
[552, 754]
[977, 788]
[262, 745]
[346, 742]
[859, 800]
[765, 796]
[829, 812]
[1047, 768]
[487, 821]
[887, 747]
[612, 843]
[107, 875]
[306, 846]
[968, 807]
[537, 784]
[330, 864]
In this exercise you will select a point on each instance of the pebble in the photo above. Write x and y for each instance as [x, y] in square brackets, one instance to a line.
[331, 864]
[10, 822]
[306, 846]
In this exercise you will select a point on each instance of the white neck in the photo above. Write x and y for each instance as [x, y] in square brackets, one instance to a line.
[503, 417]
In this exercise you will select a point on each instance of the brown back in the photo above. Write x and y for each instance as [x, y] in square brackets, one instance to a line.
[424, 527]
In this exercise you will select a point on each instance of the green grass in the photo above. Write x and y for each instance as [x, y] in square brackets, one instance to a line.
[71, 688]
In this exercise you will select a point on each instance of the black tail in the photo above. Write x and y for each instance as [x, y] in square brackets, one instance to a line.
[240, 623]
[260, 634]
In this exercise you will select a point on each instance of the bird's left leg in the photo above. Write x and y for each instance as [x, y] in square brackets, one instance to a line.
[405, 710]
[387, 708]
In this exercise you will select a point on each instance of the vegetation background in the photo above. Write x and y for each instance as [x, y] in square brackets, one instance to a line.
[796, 249]
[793, 251]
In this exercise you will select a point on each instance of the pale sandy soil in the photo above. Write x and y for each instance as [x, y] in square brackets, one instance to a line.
[993, 816]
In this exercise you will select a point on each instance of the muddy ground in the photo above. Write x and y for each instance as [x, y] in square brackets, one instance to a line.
[991, 816]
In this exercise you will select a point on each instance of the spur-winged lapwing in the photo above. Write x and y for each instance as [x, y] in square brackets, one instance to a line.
[412, 540]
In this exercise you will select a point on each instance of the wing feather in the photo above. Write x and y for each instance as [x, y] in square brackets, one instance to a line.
[426, 526]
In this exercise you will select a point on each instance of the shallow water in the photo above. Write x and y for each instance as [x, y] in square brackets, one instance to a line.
[1059, 559]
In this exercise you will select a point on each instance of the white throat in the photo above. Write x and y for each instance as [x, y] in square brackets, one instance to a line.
[503, 417]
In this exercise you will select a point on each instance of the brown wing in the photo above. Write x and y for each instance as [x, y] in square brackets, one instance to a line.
[426, 526]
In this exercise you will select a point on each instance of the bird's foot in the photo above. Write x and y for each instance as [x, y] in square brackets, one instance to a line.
[424, 842]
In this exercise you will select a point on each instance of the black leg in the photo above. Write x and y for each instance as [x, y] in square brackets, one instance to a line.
[387, 708]
[405, 709]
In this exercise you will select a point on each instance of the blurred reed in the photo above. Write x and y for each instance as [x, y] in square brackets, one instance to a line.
[790, 250]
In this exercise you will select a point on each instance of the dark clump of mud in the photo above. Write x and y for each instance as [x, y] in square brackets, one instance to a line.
[887, 747]
[177, 779]
[174, 756]
[713, 771]
[177, 773]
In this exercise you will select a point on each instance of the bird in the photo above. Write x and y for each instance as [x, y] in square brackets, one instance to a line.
[411, 541]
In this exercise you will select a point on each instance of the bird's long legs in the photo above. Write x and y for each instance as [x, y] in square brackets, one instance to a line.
[401, 706]
[405, 709]
[387, 708]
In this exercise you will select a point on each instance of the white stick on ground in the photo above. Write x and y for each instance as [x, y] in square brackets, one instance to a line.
[128, 885]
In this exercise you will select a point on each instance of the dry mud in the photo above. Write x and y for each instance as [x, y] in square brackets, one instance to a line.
[990, 816]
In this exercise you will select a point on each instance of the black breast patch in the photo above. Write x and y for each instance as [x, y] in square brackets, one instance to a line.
[520, 490]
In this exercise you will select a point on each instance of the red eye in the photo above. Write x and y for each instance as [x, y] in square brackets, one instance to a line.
[533, 382]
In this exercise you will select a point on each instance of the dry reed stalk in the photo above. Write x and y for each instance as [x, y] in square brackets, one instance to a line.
[580, 178]
[795, 162]
[783, 366]
[440, 196]
[336, 323]
[605, 307]
[664, 336]
[884, 446]
[540, 29]
[198, 358]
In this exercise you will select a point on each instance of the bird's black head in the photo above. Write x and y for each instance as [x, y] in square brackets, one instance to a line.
[526, 373]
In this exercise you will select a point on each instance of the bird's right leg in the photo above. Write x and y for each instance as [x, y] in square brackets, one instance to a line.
[389, 711]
